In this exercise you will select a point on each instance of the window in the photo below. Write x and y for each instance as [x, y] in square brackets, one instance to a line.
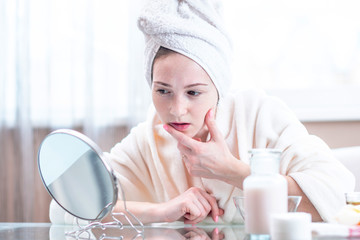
[305, 52]
[63, 61]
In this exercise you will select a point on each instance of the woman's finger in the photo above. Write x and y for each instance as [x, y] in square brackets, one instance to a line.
[215, 210]
[180, 137]
[193, 212]
[217, 235]
[202, 203]
[211, 124]
[196, 233]
[183, 149]
[203, 208]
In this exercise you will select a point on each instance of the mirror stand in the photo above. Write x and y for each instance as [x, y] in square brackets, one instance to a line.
[137, 226]
[76, 175]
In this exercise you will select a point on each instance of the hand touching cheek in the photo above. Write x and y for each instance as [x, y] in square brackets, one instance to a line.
[211, 159]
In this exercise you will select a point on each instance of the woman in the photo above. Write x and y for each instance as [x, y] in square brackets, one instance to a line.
[190, 157]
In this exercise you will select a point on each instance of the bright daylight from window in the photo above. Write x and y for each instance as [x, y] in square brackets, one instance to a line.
[290, 48]
[306, 52]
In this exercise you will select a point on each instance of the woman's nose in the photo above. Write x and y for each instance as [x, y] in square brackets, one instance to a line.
[178, 107]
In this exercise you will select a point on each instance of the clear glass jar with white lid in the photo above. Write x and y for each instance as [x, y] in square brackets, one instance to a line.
[265, 191]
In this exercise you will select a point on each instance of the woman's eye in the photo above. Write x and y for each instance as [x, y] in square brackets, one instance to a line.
[162, 91]
[193, 93]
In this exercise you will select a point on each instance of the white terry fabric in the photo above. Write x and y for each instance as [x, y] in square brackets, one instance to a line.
[149, 165]
[150, 168]
[192, 28]
[59, 216]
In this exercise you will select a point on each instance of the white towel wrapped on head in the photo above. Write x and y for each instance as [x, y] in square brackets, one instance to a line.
[190, 27]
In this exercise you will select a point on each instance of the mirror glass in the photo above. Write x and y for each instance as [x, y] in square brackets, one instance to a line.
[75, 174]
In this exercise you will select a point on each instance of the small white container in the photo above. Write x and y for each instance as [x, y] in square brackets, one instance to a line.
[291, 226]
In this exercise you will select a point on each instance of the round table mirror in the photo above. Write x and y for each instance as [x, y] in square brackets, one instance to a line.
[75, 174]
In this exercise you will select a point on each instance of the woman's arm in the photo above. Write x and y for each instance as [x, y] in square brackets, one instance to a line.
[192, 206]
[305, 204]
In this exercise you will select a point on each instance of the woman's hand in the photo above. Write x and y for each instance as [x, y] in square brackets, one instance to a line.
[193, 233]
[198, 233]
[211, 159]
[194, 205]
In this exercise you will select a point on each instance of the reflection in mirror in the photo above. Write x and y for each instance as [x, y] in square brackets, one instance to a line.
[75, 174]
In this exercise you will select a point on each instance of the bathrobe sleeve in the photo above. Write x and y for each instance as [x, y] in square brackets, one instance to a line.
[129, 159]
[306, 158]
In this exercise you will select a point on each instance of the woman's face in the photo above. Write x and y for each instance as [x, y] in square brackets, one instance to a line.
[183, 93]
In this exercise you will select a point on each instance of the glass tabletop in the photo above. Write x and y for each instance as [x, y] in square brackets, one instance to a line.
[40, 231]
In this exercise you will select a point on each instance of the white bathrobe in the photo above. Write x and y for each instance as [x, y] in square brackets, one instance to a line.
[150, 167]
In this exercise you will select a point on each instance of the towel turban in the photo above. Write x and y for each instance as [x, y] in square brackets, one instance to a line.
[193, 28]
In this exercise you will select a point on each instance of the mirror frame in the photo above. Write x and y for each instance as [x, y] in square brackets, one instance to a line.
[100, 154]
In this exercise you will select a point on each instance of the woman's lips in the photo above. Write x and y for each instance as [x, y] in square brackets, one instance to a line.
[180, 126]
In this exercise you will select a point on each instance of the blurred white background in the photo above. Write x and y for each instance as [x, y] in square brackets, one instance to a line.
[63, 61]
[306, 52]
